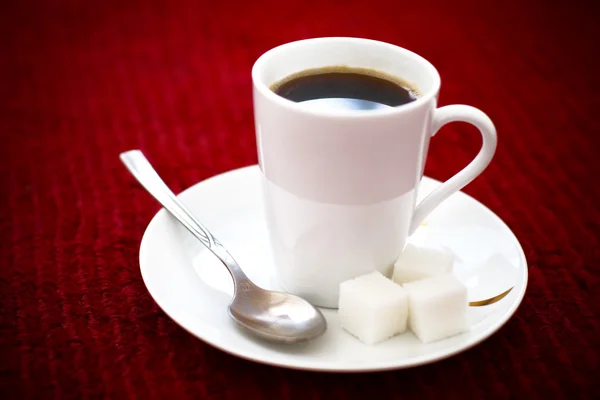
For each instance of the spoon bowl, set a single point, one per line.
(274, 316)
(277, 316)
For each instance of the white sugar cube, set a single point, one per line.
(372, 307)
(437, 307)
(416, 263)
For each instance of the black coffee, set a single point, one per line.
(347, 88)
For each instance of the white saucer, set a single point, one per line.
(194, 289)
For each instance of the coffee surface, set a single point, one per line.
(344, 87)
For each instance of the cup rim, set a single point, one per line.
(264, 89)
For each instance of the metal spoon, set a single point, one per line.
(275, 316)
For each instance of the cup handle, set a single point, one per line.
(441, 117)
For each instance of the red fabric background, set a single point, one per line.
(82, 81)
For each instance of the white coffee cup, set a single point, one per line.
(340, 185)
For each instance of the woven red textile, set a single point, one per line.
(81, 81)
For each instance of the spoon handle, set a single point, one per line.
(142, 170)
